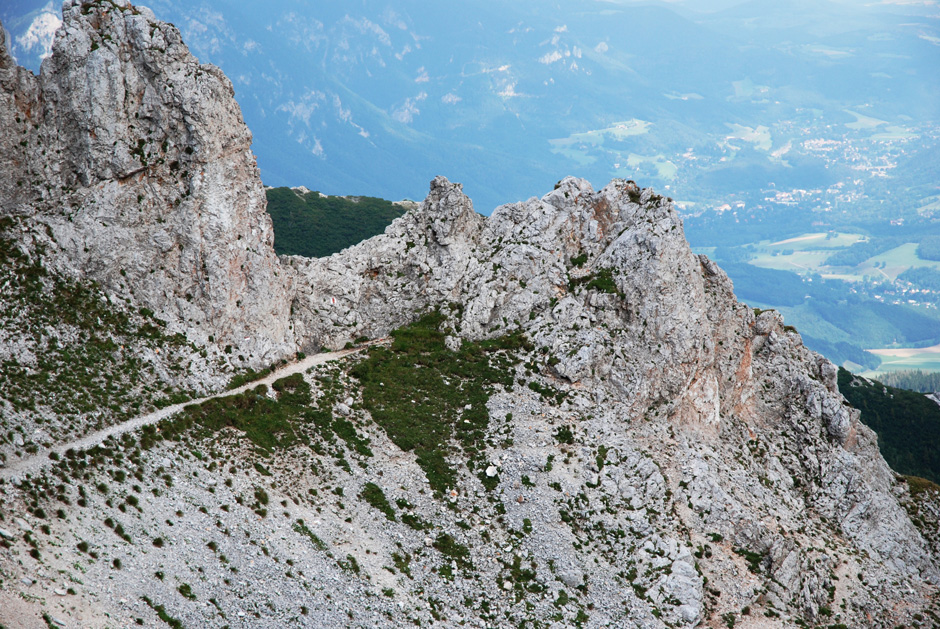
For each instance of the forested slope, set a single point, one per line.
(313, 225)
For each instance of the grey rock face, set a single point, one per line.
(604, 284)
(137, 159)
(718, 464)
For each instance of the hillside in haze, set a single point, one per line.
(369, 99)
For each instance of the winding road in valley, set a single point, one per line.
(34, 464)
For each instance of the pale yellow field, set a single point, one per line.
(898, 358)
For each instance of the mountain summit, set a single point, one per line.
(137, 159)
(574, 422)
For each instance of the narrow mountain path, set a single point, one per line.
(33, 464)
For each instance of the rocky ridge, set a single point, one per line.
(624, 444)
(136, 158)
(126, 172)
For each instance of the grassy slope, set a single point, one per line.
(71, 359)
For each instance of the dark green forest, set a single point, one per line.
(315, 226)
(913, 379)
(907, 423)
(863, 250)
(929, 248)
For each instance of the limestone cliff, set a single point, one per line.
(137, 159)
(661, 356)
(583, 428)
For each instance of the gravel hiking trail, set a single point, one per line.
(17, 470)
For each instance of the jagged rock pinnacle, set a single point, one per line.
(149, 185)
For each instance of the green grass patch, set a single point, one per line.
(264, 421)
(601, 281)
(432, 400)
(302, 528)
(564, 435)
(162, 614)
(416, 522)
(754, 560)
(402, 563)
(919, 485)
(89, 370)
(374, 495)
(451, 548)
(249, 375)
(345, 430)
(350, 564)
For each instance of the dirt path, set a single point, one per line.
(35, 463)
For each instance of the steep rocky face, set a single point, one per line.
(588, 429)
(137, 159)
(750, 435)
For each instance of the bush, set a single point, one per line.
(374, 495)
(564, 435)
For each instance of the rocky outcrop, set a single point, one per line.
(653, 453)
(136, 158)
(749, 432)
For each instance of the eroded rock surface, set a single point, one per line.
(136, 158)
(653, 453)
